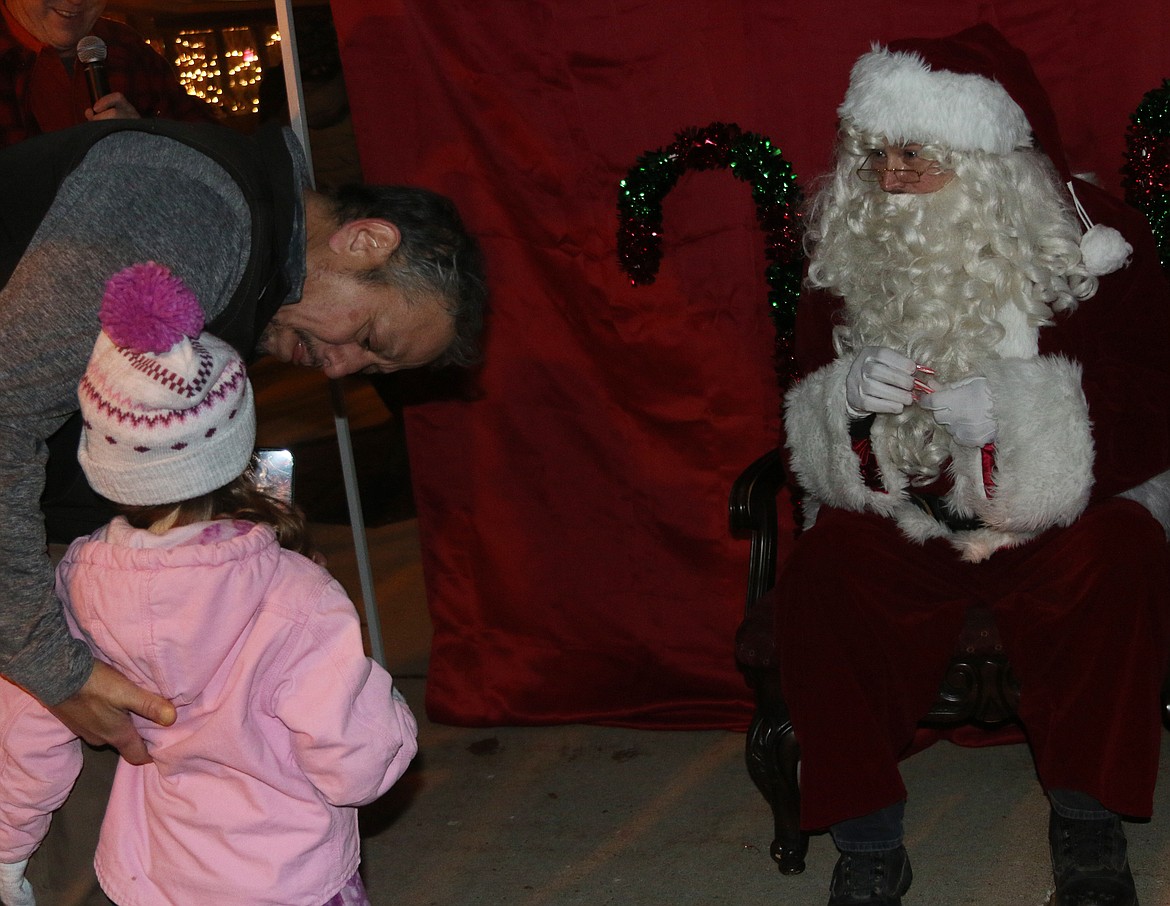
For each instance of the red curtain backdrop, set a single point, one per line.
(573, 513)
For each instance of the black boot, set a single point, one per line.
(1089, 862)
(870, 879)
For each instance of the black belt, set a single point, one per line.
(937, 507)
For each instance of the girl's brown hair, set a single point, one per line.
(238, 499)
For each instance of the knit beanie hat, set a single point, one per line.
(972, 91)
(167, 410)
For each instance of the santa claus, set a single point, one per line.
(983, 417)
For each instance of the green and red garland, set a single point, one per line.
(751, 158)
(1146, 174)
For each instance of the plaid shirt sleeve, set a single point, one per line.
(15, 66)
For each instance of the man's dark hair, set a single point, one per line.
(436, 258)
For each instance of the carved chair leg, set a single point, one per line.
(773, 760)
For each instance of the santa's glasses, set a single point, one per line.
(878, 163)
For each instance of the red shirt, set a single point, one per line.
(38, 94)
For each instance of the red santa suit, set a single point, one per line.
(1053, 528)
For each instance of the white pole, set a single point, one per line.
(292, 76)
(296, 110)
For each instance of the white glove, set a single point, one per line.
(14, 887)
(964, 409)
(879, 380)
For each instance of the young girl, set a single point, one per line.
(197, 593)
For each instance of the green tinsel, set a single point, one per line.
(1147, 169)
(751, 158)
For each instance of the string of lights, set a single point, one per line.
(224, 66)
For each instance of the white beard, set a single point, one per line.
(915, 278)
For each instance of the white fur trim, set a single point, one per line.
(1021, 340)
(899, 96)
(1044, 457)
(1044, 450)
(822, 458)
(1154, 495)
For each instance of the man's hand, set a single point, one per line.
(965, 410)
(112, 106)
(879, 380)
(97, 713)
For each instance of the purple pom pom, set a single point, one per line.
(146, 308)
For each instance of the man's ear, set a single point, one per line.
(370, 240)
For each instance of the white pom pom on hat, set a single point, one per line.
(1103, 249)
(971, 91)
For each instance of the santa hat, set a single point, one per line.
(972, 91)
(167, 410)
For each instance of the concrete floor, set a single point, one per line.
(554, 816)
(587, 815)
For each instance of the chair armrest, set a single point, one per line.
(752, 509)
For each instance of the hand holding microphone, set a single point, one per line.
(106, 105)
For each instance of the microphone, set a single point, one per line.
(91, 53)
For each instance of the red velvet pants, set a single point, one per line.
(868, 620)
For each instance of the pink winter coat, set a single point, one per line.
(284, 725)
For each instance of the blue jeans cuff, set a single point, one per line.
(1077, 806)
(878, 831)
